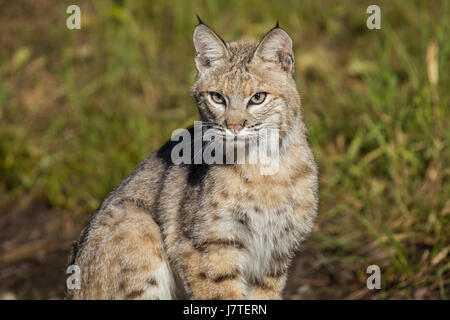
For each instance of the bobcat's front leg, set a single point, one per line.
(213, 271)
(269, 287)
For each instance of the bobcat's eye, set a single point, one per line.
(258, 98)
(217, 97)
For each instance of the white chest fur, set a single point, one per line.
(267, 239)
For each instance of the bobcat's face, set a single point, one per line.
(243, 88)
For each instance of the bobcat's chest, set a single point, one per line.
(269, 218)
(269, 237)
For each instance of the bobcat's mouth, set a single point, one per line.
(247, 135)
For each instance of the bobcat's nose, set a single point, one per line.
(235, 127)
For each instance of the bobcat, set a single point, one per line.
(211, 231)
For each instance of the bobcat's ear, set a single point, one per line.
(210, 48)
(276, 47)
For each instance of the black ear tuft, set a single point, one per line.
(277, 25)
(199, 20)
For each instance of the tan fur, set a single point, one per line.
(210, 231)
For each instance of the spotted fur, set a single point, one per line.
(216, 231)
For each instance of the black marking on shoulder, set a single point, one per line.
(196, 172)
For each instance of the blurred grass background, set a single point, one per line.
(80, 109)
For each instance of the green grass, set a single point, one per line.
(80, 109)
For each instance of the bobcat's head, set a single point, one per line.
(242, 88)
